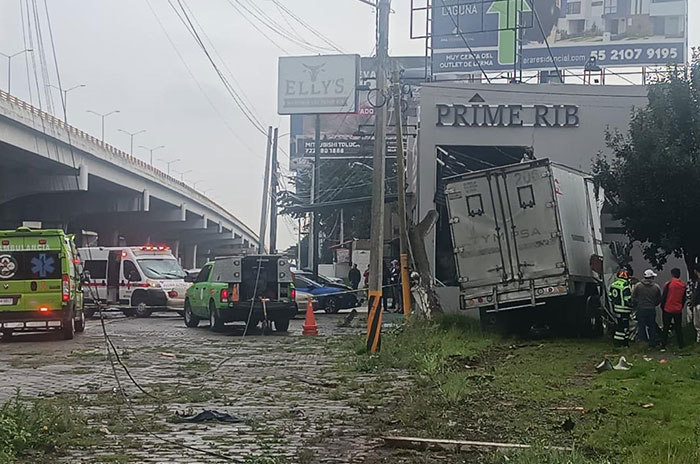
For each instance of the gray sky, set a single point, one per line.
(117, 48)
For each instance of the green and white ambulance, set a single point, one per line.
(40, 282)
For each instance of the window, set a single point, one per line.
(30, 265)
(573, 8)
(162, 269)
(204, 274)
(130, 272)
(97, 269)
(598, 3)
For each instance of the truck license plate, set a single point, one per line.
(7, 301)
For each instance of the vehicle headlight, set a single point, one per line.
(153, 284)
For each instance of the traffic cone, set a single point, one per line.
(309, 327)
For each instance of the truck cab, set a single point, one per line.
(40, 282)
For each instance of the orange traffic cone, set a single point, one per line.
(309, 327)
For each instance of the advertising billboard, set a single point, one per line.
(616, 33)
(318, 84)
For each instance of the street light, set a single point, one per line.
(131, 135)
(65, 98)
(194, 184)
(103, 116)
(9, 66)
(152, 150)
(169, 162)
(204, 192)
(182, 174)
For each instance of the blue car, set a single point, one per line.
(329, 299)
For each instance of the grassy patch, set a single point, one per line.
(467, 384)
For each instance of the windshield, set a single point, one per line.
(166, 268)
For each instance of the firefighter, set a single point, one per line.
(620, 297)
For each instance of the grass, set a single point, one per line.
(478, 386)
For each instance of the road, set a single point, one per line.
(282, 386)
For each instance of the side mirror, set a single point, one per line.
(189, 278)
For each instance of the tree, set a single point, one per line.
(652, 180)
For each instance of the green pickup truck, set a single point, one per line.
(40, 282)
(249, 289)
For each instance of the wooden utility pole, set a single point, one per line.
(266, 193)
(273, 195)
(401, 190)
(374, 318)
(316, 186)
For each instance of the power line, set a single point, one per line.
(308, 27)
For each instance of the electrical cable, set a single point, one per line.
(308, 27)
(255, 26)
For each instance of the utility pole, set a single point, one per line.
(316, 188)
(273, 196)
(374, 317)
(266, 192)
(103, 116)
(401, 190)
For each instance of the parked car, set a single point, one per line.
(330, 299)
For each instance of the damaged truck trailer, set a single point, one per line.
(528, 247)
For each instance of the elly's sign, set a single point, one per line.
(483, 115)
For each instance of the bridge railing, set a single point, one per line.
(111, 149)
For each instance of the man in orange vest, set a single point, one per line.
(672, 302)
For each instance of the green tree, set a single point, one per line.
(652, 179)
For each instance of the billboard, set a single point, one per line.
(318, 84)
(616, 33)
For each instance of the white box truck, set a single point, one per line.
(526, 236)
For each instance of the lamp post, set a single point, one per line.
(151, 150)
(9, 66)
(182, 174)
(168, 163)
(65, 98)
(131, 136)
(103, 116)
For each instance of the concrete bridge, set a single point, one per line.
(59, 176)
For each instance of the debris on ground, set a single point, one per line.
(427, 443)
(604, 365)
(209, 415)
(622, 364)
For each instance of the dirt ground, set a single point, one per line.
(282, 387)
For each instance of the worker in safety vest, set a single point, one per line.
(620, 297)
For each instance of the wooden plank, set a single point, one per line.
(423, 443)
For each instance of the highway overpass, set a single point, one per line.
(62, 177)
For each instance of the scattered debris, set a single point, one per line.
(211, 416)
(648, 405)
(349, 318)
(604, 365)
(168, 355)
(663, 361)
(569, 408)
(622, 365)
(568, 425)
(425, 443)
(647, 358)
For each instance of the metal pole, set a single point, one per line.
(374, 318)
(316, 189)
(266, 185)
(401, 190)
(9, 74)
(103, 136)
(273, 196)
(342, 226)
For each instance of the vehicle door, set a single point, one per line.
(131, 277)
(114, 262)
(199, 295)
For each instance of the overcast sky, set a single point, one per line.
(118, 49)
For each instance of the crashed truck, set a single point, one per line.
(528, 247)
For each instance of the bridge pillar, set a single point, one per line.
(108, 238)
(190, 257)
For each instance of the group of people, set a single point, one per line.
(391, 283)
(631, 298)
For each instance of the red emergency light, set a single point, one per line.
(43, 309)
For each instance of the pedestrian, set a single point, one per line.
(386, 279)
(366, 276)
(620, 294)
(672, 302)
(354, 277)
(396, 285)
(695, 303)
(646, 296)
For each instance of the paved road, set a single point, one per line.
(283, 386)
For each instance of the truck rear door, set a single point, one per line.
(478, 234)
(529, 212)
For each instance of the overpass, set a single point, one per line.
(57, 175)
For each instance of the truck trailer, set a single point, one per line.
(528, 246)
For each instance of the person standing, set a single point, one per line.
(672, 302)
(396, 285)
(695, 303)
(354, 277)
(620, 294)
(646, 296)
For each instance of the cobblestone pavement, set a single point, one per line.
(288, 390)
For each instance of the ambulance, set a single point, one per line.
(138, 280)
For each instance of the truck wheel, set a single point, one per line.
(215, 322)
(79, 324)
(593, 317)
(331, 306)
(282, 325)
(67, 324)
(190, 319)
(128, 312)
(138, 301)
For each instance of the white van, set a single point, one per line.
(137, 279)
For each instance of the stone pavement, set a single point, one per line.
(286, 388)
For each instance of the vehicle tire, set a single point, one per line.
(215, 322)
(593, 317)
(79, 324)
(7, 333)
(190, 319)
(331, 306)
(282, 325)
(129, 312)
(67, 325)
(140, 308)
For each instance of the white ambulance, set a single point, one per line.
(139, 280)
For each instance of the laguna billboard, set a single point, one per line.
(617, 33)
